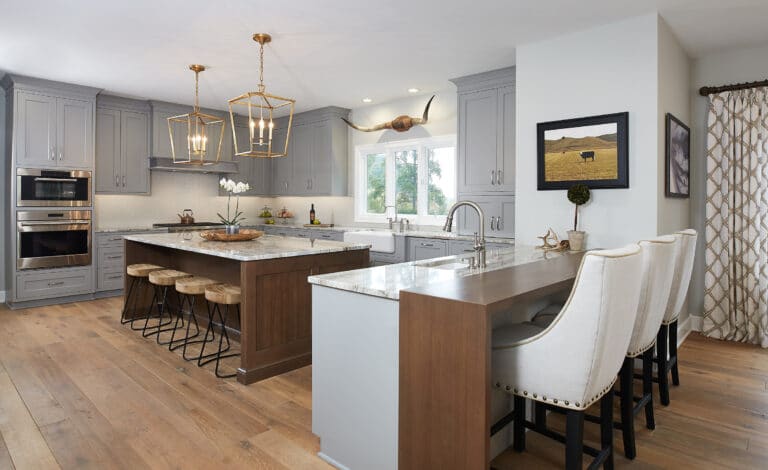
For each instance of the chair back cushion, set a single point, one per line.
(576, 358)
(659, 256)
(683, 270)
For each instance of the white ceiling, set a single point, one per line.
(324, 51)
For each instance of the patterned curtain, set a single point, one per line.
(736, 235)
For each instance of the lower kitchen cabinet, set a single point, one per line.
(426, 248)
(499, 216)
(461, 247)
(110, 261)
(50, 283)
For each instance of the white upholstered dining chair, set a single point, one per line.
(666, 343)
(574, 362)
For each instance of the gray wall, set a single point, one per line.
(3, 194)
(734, 66)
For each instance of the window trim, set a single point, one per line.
(388, 149)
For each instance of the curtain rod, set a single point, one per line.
(708, 90)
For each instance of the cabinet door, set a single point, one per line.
(283, 168)
(506, 144)
(36, 130)
(108, 151)
(135, 152)
(74, 133)
(426, 248)
(505, 222)
(495, 208)
(321, 179)
(161, 139)
(478, 123)
(460, 247)
(300, 154)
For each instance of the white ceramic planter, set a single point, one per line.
(577, 240)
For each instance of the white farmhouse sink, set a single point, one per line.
(380, 241)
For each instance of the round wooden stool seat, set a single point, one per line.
(141, 270)
(225, 294)
(166, 277)
(194, 285)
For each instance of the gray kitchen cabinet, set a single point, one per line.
(426, 248)
(486, 132)
(122, 146)
(499, 215)
(51, 283)
(300, 157)
(161, 140)
(54, 131)
(109, 255)
(463, 247)
(321, 234)
(254, 171)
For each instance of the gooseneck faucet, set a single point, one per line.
(479, 236)
(392, 221)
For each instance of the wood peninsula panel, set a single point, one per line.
(445, 360)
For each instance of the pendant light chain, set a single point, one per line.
(261, 67)
(197, 102)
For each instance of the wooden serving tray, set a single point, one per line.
(222, 236)
(318, 225)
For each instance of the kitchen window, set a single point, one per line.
(417, 176)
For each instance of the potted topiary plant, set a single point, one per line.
(578, 194)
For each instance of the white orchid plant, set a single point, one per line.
(233, 188)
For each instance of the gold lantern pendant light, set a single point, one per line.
(204, 132)
(260, 107)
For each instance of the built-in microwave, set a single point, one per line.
(52, 239)
(52, 188)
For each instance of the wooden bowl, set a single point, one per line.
(221, 235)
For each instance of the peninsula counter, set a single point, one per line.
(276, 317)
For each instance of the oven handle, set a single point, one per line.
(63, 226)
(56, 180)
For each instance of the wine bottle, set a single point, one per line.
(312, 214)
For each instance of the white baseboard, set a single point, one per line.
(696, 322)
(683, 330)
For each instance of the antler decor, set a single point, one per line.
(400, 124)
(550, 242)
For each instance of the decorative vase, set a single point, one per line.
(232, 229)
(576, 240)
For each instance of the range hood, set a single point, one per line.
(166, 164)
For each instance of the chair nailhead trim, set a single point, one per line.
(498, 385)
(508, 387)
(567, 403)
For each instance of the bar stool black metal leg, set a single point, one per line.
(225, 335)
(650, 423)
(161, 309)
(662, 364)
(203, 358)
(179, 317)
(128, 298)
(175, 343)
(627, 408)
(673, 352)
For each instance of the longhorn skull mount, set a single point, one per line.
(399, 124)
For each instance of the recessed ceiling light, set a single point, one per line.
(413, 90)
(367, 100)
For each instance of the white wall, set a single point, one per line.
(674, 97)
(733, 66)
(608, 69)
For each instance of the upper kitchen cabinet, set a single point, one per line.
(257, 172)
(52, 124)
(316, 164)
(486, 132)
(161, 139)
(122, 146)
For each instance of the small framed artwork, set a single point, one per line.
(591, 150)
(678, 158)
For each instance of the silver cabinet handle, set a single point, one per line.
(499, 225)
(55, 283)
(123, 180)
(428, 244)
(307, 183)
(115, 257)
(310, 183)
(117, 180)
(493, 176)
(493, 223)
(115, 276)
(500, 177)
(61, 155)
(115, 239)
(53, 154)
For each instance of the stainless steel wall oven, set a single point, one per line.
(52, 188)
(51, 239)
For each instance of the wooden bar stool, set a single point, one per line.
(138, 274)
(161, 280)
(189, 288)
(217, 295)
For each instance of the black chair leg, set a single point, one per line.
(540, 415)
(673, 352)
(606, 428)
(574, 440)
(128, 299)
(519, 424)
(662, 364)
(650, 423)
(627, 408)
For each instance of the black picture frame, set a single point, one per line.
(678, 142)
(622, 152)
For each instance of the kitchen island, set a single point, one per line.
(276, 316)
(401, 355)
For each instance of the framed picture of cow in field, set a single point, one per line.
(591, 150)
(678, 158)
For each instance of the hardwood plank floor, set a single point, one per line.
(79, 390)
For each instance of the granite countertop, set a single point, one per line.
(264, 247)
(387, 281)
(129, 229)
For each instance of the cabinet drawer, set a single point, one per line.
(49, 284)
(323, 235)
(110, 279)
(426, 248)
(110, 256)
(109, 239)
